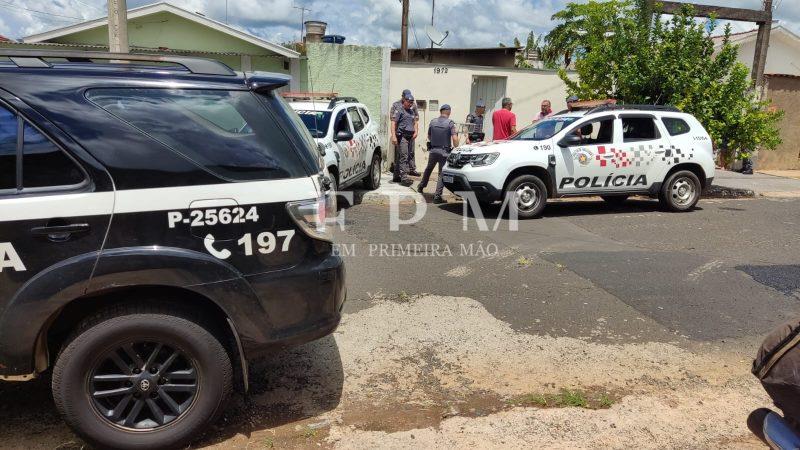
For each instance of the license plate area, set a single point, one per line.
(447, 178)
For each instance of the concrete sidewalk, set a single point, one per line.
(387, 190)
(734, 184)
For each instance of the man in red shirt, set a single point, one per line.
(504, 121)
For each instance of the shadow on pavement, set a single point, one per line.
(288, 387)
(285, 388)
(29, 419)
(569, 208)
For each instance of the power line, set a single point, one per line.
(91, 6)
(13, 6)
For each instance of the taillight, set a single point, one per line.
(315, 217)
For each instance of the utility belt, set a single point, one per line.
(405, 133)
(446, 149)
(476, 136)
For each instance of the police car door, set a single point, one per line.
(584, 168)
(358, 145)
(647, 150)
(341, 122)
(54, 212)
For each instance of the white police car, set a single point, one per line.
(347, 135)
(611, 151)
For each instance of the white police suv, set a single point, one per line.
(612, 151)
(347, 136)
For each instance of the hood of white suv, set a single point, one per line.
(488, 147)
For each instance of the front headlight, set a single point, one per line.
(483, 159)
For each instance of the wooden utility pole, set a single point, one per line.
(761, 17)
(404, 33)
(762, 47)
(118, 26)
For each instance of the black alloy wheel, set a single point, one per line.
(143, 385)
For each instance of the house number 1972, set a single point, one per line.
(439, 70)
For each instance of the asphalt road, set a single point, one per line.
(730, 270)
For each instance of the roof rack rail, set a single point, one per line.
(336, 100)
(35, 59)
(291, 95)
(602, 108)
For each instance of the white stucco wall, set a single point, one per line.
(527, 89)
(783, 56)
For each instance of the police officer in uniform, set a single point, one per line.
(396, 106)
(443, 138)
(404, 130)
(476, 133)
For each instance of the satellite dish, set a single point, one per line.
(435, 36)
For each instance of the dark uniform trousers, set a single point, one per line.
(405, 147)
(440, 132)
(436, 157)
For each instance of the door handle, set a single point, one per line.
(60, 233)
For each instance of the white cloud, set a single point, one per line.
(472, 23)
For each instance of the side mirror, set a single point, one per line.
(570, 140)
(343, 136)
(321, 148)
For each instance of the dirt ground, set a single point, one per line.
(441, 372)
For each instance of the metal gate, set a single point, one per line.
(491, 90)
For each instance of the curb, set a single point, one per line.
(383, 198)
(717, 191)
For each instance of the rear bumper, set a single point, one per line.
(485, 192)
(297, 305)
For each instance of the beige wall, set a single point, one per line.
(527, 88)
(785, 94)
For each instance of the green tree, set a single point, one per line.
(645, 61)
(582, 27)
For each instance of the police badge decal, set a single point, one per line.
(583, 156)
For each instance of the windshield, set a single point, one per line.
(316, 122)
(544, 129)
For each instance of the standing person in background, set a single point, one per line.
(546, 111)
(504, 121)
(397, 106)
(443, 138)
(476, 120)
(571, 102)
(404, 130)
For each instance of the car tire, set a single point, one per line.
(373, 179)
(680, 191)
(101, 396)
(334, 179)
(615, 200)
(528, 196)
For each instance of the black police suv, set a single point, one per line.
(162, 221)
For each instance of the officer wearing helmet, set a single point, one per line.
(442, 139)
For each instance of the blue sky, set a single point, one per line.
(472, 23)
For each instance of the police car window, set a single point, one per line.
(675, 126)
(316, 122)
(358, 124)
(342, 124)
(544, 129)
(228, 132)
(635, 129)
(44, 164)
(8, 149)
(364, 114)
(598, 132)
